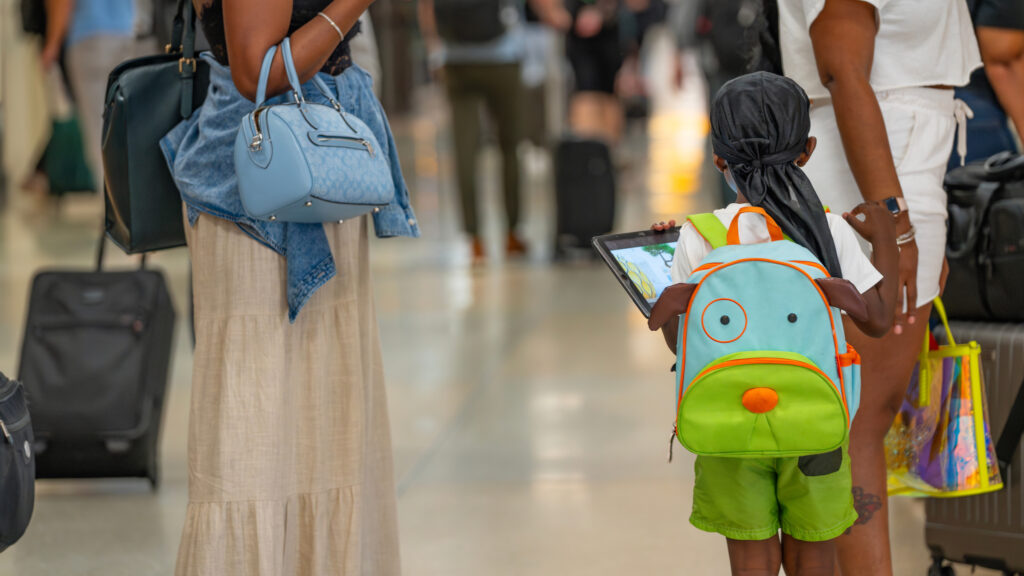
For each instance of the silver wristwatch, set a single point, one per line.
(895, 205)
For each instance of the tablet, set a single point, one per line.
(642, 262)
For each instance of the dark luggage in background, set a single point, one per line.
(473, 21)
(17, 463)
(33, 17)
(585, 192)
(985, 246)
(988, 530)
(146, 97)
(64, 159)
(95, 363)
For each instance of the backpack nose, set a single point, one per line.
(760, 400)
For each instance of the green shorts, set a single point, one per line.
(809, 498)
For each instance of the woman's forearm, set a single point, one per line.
(843, 38)
(250, 33)
(864, 137)
(58, 19)
(1002, 49)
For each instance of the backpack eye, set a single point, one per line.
(724, 320)
(792, 318)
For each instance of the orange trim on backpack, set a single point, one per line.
(689, 308)
(850, 358)
(780, 362)
(742, 309)
(774, 231)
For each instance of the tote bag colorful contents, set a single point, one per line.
(940, 444)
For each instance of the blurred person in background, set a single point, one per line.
(594, 47)
(997, 90)
(97, 36)
(727, 35)
(880, 74)
(365, 52)
(479, 48)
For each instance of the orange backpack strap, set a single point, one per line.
(711, 228)
(774, 231)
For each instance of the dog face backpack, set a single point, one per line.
(308, 162)
(763, 365)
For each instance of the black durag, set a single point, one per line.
(759, 126)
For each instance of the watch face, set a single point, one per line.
(893, 205)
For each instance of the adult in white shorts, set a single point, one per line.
(880, 75)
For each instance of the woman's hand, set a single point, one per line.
(907, 283)
(589, 22)
(662, 226)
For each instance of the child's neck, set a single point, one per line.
(741, 199)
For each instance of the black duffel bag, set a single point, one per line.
(985, 245)
(146, 98)
(17, 463)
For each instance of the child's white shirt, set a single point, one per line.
(693, 248)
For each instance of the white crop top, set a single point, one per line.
(919, 43)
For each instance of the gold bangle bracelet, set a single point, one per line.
(333, 25)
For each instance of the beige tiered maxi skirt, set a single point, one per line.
(290, 470)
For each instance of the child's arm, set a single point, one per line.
(879, 229)
(671, 329)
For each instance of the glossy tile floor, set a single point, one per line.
(530, 406)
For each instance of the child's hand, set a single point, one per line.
(877, 226)
(662, 226)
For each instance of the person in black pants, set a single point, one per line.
(595, 52)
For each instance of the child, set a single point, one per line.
(760, 124)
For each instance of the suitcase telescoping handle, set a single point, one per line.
(1009, 439)
(101, 249)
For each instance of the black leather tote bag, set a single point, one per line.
(146, 98)
(17, 463)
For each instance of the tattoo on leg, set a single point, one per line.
(866, 504)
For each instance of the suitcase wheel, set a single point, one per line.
(940, 568)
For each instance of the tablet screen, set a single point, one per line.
(648, 267)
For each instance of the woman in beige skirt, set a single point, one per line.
(290, 470)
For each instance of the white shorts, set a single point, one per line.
(921, 127)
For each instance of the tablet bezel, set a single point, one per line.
(643, 238)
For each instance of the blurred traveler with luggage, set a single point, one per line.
(97, 35)
(480, 46)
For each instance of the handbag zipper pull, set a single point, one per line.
(671, 443)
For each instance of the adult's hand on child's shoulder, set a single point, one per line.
(872, 221)
(662, 226)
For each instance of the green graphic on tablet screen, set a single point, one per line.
(648, 267)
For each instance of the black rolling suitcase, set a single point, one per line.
(585, 191)
(988, 530)
(95, 363)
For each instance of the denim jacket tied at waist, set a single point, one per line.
(199, 153)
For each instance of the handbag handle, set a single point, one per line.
(937, 304)
(293, 77)
(774, 232)
(183, 40)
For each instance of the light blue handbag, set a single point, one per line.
(308, 162)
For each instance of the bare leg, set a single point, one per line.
(591, 113)
(755, 557)
(887, 365)
(808, 558)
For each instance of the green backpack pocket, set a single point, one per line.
(755, 404)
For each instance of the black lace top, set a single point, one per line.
(211, 15)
